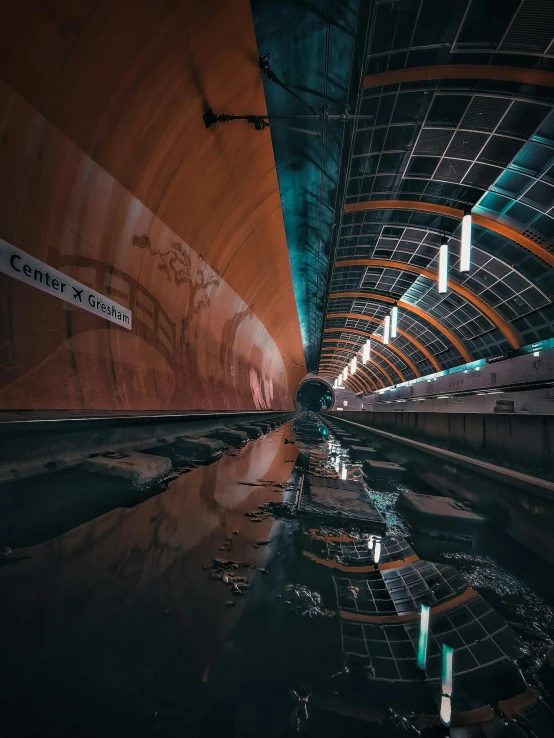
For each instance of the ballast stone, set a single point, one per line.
(136, 467)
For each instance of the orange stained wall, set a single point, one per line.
(108, 174)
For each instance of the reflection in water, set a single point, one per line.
(126, 625)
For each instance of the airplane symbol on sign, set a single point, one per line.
(77, 294)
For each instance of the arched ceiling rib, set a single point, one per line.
(394, 349)
(345, 355)
(446, 137)
(461, 71)
(431, 207)
(503, 325)
(358, 347)
(413, 309)
(407, 336)
(453, 111)
(367, 380)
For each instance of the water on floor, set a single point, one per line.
(193, 611)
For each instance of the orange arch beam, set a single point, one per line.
(370, 379)
(503, 326)
(355, 381)
(330, 362)
(359, 316)
(417, 311)
(362, 367)
(480, 220)
(461, 71)
(394, 349)
(373, 351)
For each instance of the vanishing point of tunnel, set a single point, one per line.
(277, 368)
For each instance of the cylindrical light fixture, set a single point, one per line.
(394, 321)
(465, 250)
(443, 267)
(353, 365)
(386, 329)
(423, 636)
(366, 351)
(345, 373)
(377, 551)
(446, 687)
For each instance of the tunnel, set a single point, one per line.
(277, 368)
(314, 395)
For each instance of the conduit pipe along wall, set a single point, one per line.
(109, 175)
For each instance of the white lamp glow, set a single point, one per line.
(345, 373)
(377, 552)
(423, 637)
(353, 365)
(443, 268)
(344, 473)
(366, 351)
(394, 322)
(386, 329)
(465, 251)
(446, 689)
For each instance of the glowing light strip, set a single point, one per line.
(345, 373)
(443, 268)
(353, 365)
(423, 637)
(366, 351)
(386, 329)
(465, 249)
(447, 671)
(394, 322)
(377, 552)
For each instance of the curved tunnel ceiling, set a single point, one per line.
(461, 119)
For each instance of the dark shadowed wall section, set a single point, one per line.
(109, 175)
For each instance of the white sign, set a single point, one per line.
(26, 268)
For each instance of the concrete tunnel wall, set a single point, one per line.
(109, 175)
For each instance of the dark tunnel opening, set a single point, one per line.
(314, 395)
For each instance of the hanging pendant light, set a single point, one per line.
(394, 321)
(443, 267)
(465, 250)
(366, 352)
(386, 329)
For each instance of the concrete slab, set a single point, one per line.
(338, 499)
(437, 516)
(374, 468)
(199, 448)
(252, 431)
(350, 441)
(229, 436)
(136, 467)
(263, 425)
(363, 452)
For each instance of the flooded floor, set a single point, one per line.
(191, 610)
